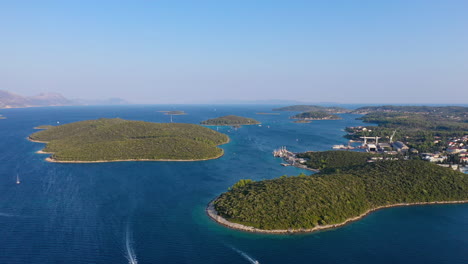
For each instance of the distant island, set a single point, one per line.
(174, 113)
(105, 140)
(346, 190)
(315, 115)
(230, 120)
(302, 121)
(268, 113)
(314, 108)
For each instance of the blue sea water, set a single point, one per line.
(153, 212)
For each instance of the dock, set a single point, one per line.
(291, 159)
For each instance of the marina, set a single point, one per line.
(291, 159)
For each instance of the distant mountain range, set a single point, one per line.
(12, 100)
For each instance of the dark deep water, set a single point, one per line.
(154, 211)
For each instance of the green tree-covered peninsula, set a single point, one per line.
(230, 120)
(349, 190)
(315, 115)
(309, 108)
(116, 139)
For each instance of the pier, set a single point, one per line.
(291, 159)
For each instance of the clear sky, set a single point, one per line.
(156, 51)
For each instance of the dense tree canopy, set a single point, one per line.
(330, 198)
(336, 159)
(230, 120)
(308, 108)
(417, 126)
(118, 139)
(315, 115)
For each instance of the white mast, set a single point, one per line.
(391, 138)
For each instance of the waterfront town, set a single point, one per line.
(454, 155)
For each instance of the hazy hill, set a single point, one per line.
(11, 100)
(49, 99)
(8, 100)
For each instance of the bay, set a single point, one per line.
(153, 212)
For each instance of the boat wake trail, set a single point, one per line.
(6, 215)
(247, 257)
(129, 246)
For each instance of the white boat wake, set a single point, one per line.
(247, 257)
(129, 246)
(6, 215)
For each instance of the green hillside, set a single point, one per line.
(230, 120)
(309, 108)
(335, 159)
(315, 115)
(118, 139)
(416, 126)
(303, 202)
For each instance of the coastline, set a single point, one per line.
(213, 214)
(316, 119)
(250, 124)
(37, 141)
(49, 159)
(43, 152)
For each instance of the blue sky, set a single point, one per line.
(207, 51)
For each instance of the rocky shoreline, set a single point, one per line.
(213, 214)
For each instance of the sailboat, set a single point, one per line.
(17, 179)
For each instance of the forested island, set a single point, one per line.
(230, 120)
(315, 115)
(349, 188)
(174, 113)
(104, 140)
(310, 108)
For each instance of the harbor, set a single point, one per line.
(290, 159)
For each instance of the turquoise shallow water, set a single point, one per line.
(153, 212)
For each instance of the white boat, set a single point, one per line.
(17, 179)
(338, 146)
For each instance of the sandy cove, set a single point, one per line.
(213, 214)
